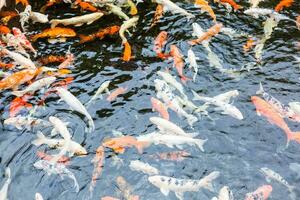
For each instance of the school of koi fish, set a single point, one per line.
(32, 82)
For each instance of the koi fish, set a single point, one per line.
(77, 21)
(38, 17)
(137, 165)
(178, 62)
(263, 193)
(127, 52)
(133, 9)
(62, 160)
(192, 59)
(56, 168)
(171, 156)
(103, 87)
(98, 162)
(173, 8)
(267, 110)
(126, 189)
(117, 11)
(100, 34)
(159, 42)
(232, 3)
(85, 6)
(17, 105)
(23, 2)
(19, 122)
(171, 140)
(120, 143)
(113, 95)
(159, 12)
(51, 59)
(6, 16)
(4, 29)
(76, 105)
(23, 40)
(132, 22)
(213, 31)
(180, 186)
(249, 44)
(67, 62)
(4, 189)
(20, 59)
(53, 33)
(283, 4)
(203, 4)
(19, 78)
(224, 194)
(6, 65)
(160, 107)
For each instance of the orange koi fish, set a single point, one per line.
(19, 78)
(251, 42)
(232, 3)
(127, 52)
(18, 104)
(4, 29)
(126, 189)
(109, 198)
(51, 59)
(213, 31)
(178, 62)
(56, 32)
(100, 34)
(116, 93)
(98, 166)
(23, 2)
(171, 156)
(265, 109)
(6, 66)
(49, 4)
(159, 12)
(160, 107)
(6, 16)
(159, 42)
(262, 193)
(85, 6)
(62, 160)
(203, 4)
(120, 143)
(283, 4)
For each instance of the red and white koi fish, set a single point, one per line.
(178, 62)
(113, 95)
(262, 193)
(159, 43)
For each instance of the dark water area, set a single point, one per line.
(235, 148)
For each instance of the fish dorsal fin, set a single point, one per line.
(165, 191)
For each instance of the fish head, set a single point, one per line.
(266, 190)
(233, 111)
(81, 151)
(156, 180)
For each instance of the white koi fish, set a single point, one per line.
(73, 147)
(295, 167)
(20, 59)
(224, 194)
(222, 102)
(39, 17)
(171, 140)
(4, 189)
(179, 186)
(35, 86)
(77, 21)
(271, 175)
(132, 22)
(19, 122)
(103, 87)
(173, 8)
(38, 196)
(24, 16)
(137, 165)
(172, 81)
(56, 168)
(167, 127)
(256, 12)
(76, 105)
(192, 59)
(117, 11)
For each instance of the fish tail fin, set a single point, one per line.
(200, 144)
(127, 52)
(261, 90)
(18, 93)
(40, 139)
(54, 22)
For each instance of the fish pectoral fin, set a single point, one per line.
(164, 191)
(179, 195)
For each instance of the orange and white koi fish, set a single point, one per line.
(62, 160)
(85, 6)
(159, 42)
(159, 12)
(67, 62)
(120, 143)
(251, 42)
(160, 107)
(19, 78)
(116, 93)
(262, 193)
(265, 109)
(109, 198)
(171, 156)
(203, 4)
(111, 30)
(126, 189)
(18, 104)
(54, 33)
(213, 31)
(127, 52)
(98, 166)
(23, 2)
(283, 4)
(22, 39)
(4, 29)
(178, 62)
(232, 3)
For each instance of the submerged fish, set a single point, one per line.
(178, 62)
(27, 122)
(171, 156)
(113, 95)
(192, 59)
(54, 33)
(137, 165)
(4, 189)
(262, 193)
(158, 14)
(172, 81)
(283, 4)
(103, 87)
(213, 31)
(203, 4)
(173, 8)
(132, 22)
(180, 186)
(62, 160)
(98, 162)
(160, 107)
(56, 168)
(159, 43)
(126, 189)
